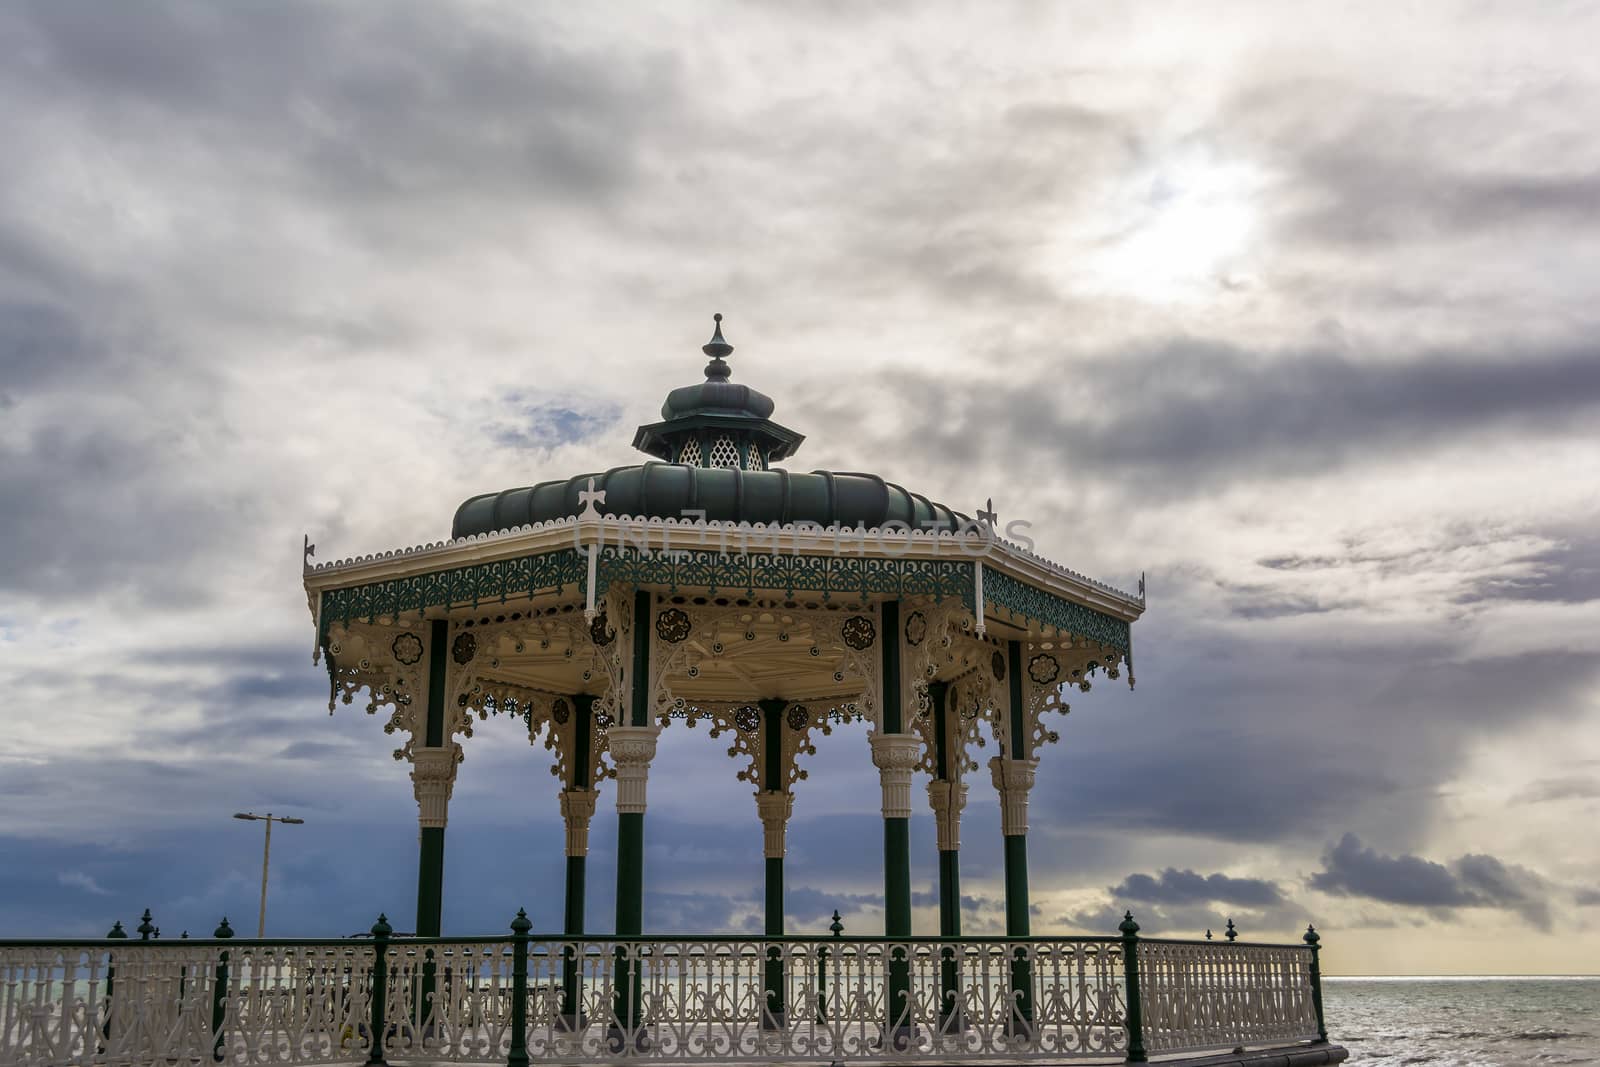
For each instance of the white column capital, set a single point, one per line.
(1013, 778)
(774, 809)
(632, 748)
(896, 756)
(577, 808)
(948, 799)
(433, 779)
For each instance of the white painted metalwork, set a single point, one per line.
(686, 1000)
(1207, 995)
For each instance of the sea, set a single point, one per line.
(1493, 1020)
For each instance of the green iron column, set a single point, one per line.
(774, 804)
(632, 748)
(896, 754)
(947, 794)
(577, 809)
(433, 775)
(1013, 773)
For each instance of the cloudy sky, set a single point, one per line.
(1292, 310)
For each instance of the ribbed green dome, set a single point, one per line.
(668, 490)
(717, 398)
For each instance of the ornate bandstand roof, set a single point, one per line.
(709, 524)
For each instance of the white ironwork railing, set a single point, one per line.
(1209, 994)
(688, 1000)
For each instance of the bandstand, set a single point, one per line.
(707, 586)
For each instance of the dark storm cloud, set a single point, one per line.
(1188, 414)
(1173, 886)
(1472, 881)
(38, 341)
(376, 106)
(1567, 573)
(1380, 168)
(88, 509)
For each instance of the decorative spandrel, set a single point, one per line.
(706, 653)
(743, 726)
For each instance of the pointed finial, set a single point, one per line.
(1128, 926)
(117, 931)
(521, 924)
(718, 350)
(145, 927)
(836, 926)
(1311, 936)
(381, 928)
(223, 930)
(1230, 933)
(1208, 935)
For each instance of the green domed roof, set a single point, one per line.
(669, 490)
(719, 438)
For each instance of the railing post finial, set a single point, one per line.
(117, 932)
(1230, 933)
(1130, 974)
(1314, 939)
(146, 927)
(836, 926)
(518, 1054)
(380, 990)
(219, 994)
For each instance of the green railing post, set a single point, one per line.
(219, 991)
(518, 1056)
(380, 989)
(1130, 973)
(116, 933)
(1314, 939)
(822, 968)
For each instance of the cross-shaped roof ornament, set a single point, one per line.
(589, 498)
(986, 514)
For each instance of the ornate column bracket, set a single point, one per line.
(1013, 778)
(948, 799)
(632, 748)
(775, 809)
(577, 808)
(433, 779)
(896, 756)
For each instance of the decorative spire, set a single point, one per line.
(718, 350)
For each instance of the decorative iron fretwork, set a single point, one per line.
(472, 585)
(464, 648)
(916, 628)
(1004, 591)
(712, 569)
(747, 719)
(407, 648)
(1043, 668)
(560, 711)
(797, 717)
(858, 632)
(672, 625)
(827, 575)
(600, 631)
(997, 665)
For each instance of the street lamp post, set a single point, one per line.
(266, 856)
